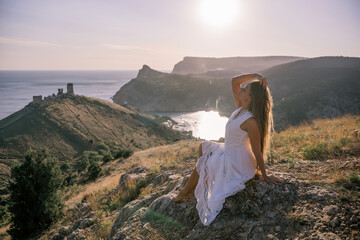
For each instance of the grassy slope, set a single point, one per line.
(337, 168)
(73, 125)
(314, 88)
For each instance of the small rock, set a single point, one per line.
(354, 219)
(335, 222)
(271, 237)
(64, 231)
(75, 236)
(57, 237)
(331, 210)
(354, 226)
(278, 228)
(271, 214)
(85, 223)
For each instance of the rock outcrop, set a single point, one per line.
(293, 209)
(146, 71)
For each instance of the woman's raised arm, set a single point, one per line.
(237, 80)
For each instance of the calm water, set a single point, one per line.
(206, 125)
(18, 87)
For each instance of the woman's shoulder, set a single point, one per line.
(246, 113)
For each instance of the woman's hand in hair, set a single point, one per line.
(273, 179)
(262, 79)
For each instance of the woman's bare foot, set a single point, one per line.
(183, 197)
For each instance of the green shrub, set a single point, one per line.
(35, 201)
(354, 178)
(90, 153)
(117, 204)
(107, 158)
(318, 151)
(134, 191)
(4, 212)
(98, 158)
(70, 177)
(94, 171)
(125, 153)
(344, 141)
(83, 163)
(64, 167)
(93, 156)
(102, 146)
(337, 151)
(102, 152)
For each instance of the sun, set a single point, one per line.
(218, 13)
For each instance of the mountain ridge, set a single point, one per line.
(314, 81)
(200, 65)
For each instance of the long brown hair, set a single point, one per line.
(261, 107)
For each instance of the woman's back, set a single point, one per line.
(238, 153)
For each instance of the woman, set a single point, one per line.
(223, 168)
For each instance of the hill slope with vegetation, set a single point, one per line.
(73, 126)
(321, 87)
(302, 90)
(319, 198)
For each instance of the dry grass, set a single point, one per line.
(102, 184)
(321, 139)
(3, 234)
(173, 155)
(324, 153)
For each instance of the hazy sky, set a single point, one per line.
(125, 34)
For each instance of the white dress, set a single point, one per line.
(224, 167)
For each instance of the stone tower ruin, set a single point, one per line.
(37, 99)
(70, 88)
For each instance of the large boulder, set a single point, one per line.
(293, 209)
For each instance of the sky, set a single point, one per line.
(126, 34)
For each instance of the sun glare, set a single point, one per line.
(218, 13)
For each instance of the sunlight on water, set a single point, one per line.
(205, 125)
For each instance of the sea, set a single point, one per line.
(17, 89)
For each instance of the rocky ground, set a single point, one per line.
(294, 209)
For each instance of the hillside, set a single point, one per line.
(318, 200)
(302, 90)
(233, 65)
(314, 88)
(152, 92)
(70, 126)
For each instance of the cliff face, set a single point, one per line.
(147, 72)
(170, 92)
(200, 65)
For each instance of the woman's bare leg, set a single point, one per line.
(187, 192)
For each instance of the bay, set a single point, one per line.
(208, 125)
